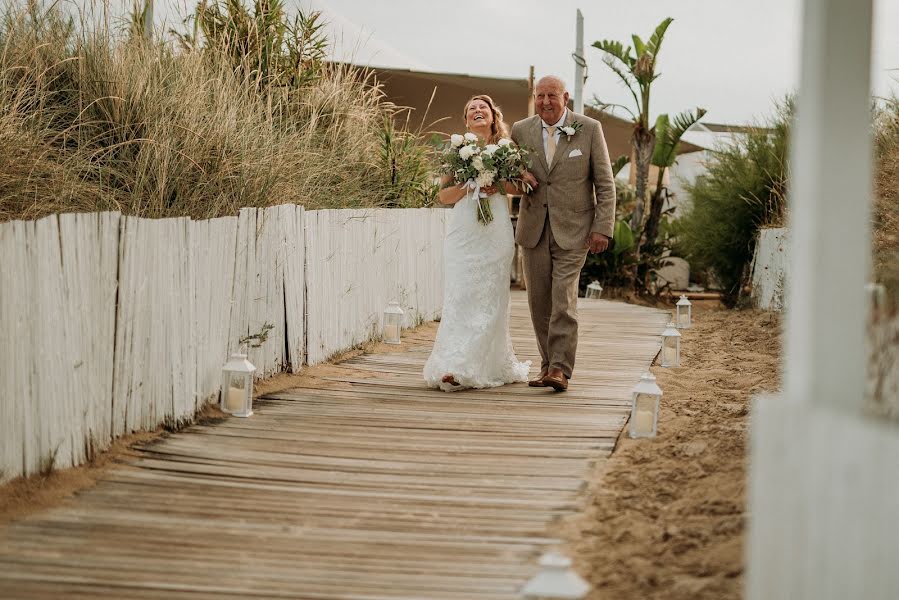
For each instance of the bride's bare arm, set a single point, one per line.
(450, 193)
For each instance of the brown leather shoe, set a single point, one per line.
(556, 379)
(539, 381)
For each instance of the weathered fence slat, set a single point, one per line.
(112, 324)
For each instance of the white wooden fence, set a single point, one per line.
(112, 324)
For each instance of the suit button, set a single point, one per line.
(549, 183)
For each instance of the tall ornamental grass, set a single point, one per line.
(199, 124)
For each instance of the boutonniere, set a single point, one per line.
(570, 130)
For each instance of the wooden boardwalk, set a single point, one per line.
(362, 486)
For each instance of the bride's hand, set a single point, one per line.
(489, 190)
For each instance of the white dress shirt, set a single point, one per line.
(558, 133)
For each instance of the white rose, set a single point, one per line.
(456, 140)
(467, 152)
(504, 142)
(471, 137)
(490, 149)
(478, 163)
(567, 130)
(485, 178)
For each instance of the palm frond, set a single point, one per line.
(626, 77)
(669, 133)
(604, 107)
(639, 45)
(616, 50)
(619, 164)
(655, 40)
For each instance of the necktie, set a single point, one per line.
(550, 144)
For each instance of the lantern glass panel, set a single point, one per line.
(644, 417)
(683, 316)
(236, 392)
(670, 351)
(392, 328)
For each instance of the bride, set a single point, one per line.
(473, 348)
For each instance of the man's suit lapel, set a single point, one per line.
(562, 146)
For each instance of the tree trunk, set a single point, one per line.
(656, 204)
(651, 231)
(644, 141)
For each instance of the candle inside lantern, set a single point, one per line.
(670, 356)
(643, 423)
(391, 332)
(235, 398)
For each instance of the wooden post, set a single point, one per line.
(531, 92)
(519, 258)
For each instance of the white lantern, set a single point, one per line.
(556, 580)
(877, 296)
(237, 386)
(594, 291)
(684, 313)
(393, 322)
(671, 346)
(645, 407)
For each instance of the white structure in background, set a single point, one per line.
(823, 485)
(579, 64)
(770, 268)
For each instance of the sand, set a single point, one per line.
(665, 518)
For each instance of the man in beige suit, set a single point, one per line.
(570, 211)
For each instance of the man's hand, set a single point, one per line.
(528, 178)
(597, 243)
(489, 190)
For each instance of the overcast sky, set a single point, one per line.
(733, 57)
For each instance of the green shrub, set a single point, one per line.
(742, 190)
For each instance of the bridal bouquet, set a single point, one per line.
(481, 166)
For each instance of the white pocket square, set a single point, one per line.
(575, 152)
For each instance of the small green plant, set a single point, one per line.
(256, 340)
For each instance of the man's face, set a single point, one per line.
(550, 100)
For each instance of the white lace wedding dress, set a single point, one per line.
(473, 342)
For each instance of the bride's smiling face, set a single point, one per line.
(478, 116)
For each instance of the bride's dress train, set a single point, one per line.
(473, 343)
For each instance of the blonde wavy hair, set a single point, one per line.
(498, 129)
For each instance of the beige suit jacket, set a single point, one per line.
(576, 192)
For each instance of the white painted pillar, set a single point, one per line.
(830, 207)
(579, 65)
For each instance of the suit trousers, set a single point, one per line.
(551, 275)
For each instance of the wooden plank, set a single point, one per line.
(363, 484)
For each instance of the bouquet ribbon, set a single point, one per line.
(485, 215)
